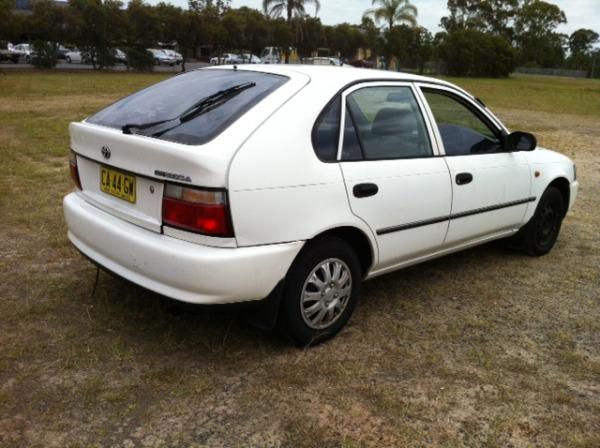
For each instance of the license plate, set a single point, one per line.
(118, 184)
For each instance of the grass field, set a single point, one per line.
(486, 348)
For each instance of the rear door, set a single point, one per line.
(491, 187)
(394, 178)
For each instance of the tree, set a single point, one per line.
(345, 39)
(292, 9)
(535, 34)
(412, 46)
(493, 16)
(393, 12)
(582, 41)
(475, 53)
(247, 29)
(312, 36)
(370, 33)
(581, 44)
(97, 27)
(46, 26)
(10, 24)
(143, 27)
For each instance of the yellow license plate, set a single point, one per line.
(118, 184)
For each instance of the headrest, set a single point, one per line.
(392, 120)
(399, 96)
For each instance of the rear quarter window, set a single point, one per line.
(326, 132)
(169, 99)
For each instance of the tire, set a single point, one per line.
(539, 235)
(305, 289)
(68, 59)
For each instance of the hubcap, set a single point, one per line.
(546, 224)
(326, 293)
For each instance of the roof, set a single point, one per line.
(338, 77)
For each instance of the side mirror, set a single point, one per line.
(521, 141)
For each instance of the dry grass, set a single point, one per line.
(483, 348)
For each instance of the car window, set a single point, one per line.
(388, 123)
(326, 132)
(463, 132)
(168, 99)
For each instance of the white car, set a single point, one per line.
(226, 59)
(295, 184)
(323, 61)
(175, 56)
(25, 51)
(248, 58)
(73, 56)
(161, 57)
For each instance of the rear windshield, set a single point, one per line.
(169, 99)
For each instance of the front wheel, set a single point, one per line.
(321, 291)
(539, 235)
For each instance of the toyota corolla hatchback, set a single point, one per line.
(295, 184)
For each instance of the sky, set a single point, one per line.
(580, 13)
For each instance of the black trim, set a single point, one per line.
(427, 222)
(412, 225)
(492, 208)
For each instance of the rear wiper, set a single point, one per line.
(204, 105)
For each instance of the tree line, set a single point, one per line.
(478, 37)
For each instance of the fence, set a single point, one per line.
(553, 72)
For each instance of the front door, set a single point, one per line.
(394, 178)
(491, 187)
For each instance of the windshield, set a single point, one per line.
(169, 99)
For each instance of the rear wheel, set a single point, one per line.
(540, 234)
(321, 291)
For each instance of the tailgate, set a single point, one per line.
(150, 162)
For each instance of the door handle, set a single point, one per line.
(463, 178)
(365, 190)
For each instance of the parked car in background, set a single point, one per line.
(175, 55)
(248, 58)
(183, 187)
(160, 57)
(24, 51)
(226, 58)
(271, 55)
(323, 61)
(363, 63)
(276, 55)
(120, 56)
(74, 56)
(61, 52)
(7, 53)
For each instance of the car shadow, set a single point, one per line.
(219, 328)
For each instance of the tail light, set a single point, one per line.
(74, 170)
(196, 210)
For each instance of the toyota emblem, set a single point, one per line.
(106, 152)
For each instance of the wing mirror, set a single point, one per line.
(521, 141)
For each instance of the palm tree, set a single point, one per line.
(275, 8)
(393, 12)
(292, 8)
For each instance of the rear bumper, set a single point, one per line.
(178, 269)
